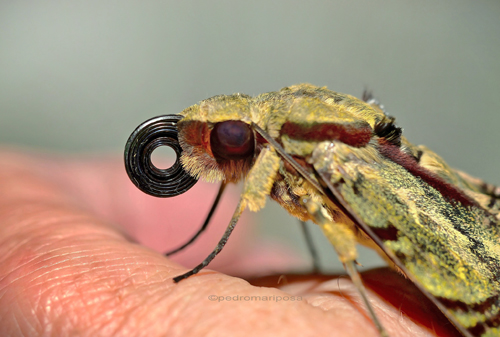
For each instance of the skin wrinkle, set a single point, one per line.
(97, 299)
(133, 315)
(54, 278)
(25, 326)
(161, 296)
(52, 271)
(44, 265)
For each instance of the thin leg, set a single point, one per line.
(353, 273)
(344, 241)
(205, 224)
(310, 246)
(220, 245)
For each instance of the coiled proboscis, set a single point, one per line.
(153, 133)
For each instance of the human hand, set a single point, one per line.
(69, 268)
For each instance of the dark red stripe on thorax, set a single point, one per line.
(448, 191)
(357, 135)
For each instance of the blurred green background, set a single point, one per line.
(79, 76)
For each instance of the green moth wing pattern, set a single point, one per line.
(450, 251)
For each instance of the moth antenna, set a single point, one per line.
(205, 224)
(153, 133)
(367, 95)
(369, 98)
(218, 248)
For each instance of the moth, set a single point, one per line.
(344, 164)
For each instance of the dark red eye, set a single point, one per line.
(232, 140)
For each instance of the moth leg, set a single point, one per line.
(310, 246)
(257, 186)
(353, 273)
(205, 224)
(343, 240)
(220, 245)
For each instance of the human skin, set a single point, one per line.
(70, 266)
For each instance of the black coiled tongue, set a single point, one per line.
(153, 133)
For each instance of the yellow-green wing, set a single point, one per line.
(451, 251)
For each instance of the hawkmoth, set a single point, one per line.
(343, 163)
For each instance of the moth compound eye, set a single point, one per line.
(232, 140)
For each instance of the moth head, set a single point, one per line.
(217, 140)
